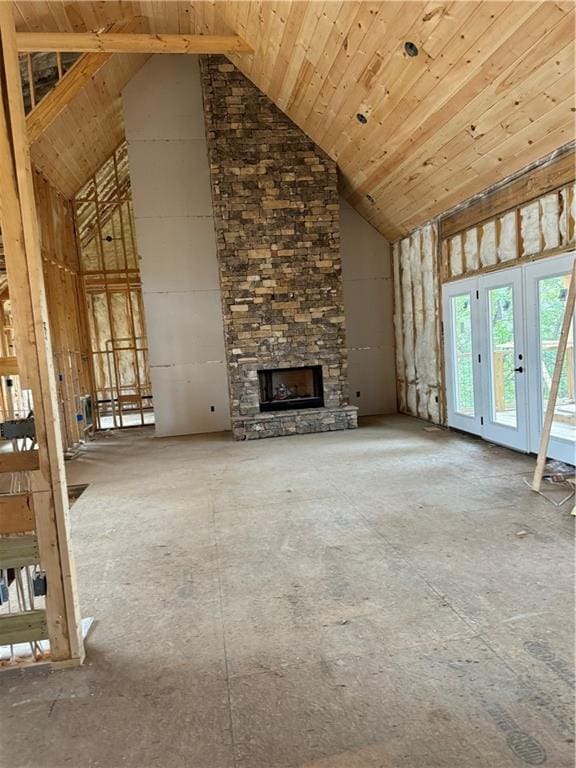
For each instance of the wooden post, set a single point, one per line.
(554, 386)
(33, 348)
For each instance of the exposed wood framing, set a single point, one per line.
(21, 238)
(550, 175)
(63, 286)
(129, 42)
(542, 227)
(74, 146)
(78, 76)
(52, 105)
(113, 295)
(491, 90)
(68, 332)
(30, 77)
(41, 72)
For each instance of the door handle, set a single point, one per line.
(519, 370)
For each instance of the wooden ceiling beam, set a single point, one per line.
(128, 42)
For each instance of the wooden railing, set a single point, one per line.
(499, 355)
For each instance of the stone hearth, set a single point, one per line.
(276, 212)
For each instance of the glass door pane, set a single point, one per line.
(463, 362)
(460, 308)
(552, 293)
(502, 355)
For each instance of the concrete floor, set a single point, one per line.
(358, 599)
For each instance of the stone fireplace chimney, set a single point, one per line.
(276, 214)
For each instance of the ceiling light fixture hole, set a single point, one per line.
(362, 119)
(411, 49)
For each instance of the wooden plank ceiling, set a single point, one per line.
(491, 90)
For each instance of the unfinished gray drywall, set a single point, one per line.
(368, 307)
(164, 119)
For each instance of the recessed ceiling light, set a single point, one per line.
(362, 119)
(411, 49)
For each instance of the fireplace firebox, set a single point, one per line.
(282, 389)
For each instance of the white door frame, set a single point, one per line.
(513, 436)
(561, 449)
(524, 278)
(465, 422)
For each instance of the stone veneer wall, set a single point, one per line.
(276, 213)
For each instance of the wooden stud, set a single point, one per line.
(519, 238)
(30, 70)
(129, 297)
(117, 281)
(59, 249)
(511, 263)
(520, 257)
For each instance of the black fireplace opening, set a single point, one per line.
(284, 388)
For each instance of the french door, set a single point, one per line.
(546, 291)
(501, 333)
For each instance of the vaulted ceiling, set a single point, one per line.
(491, 90)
